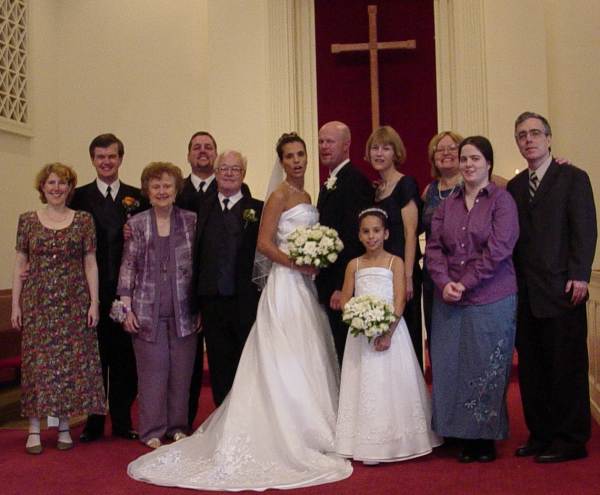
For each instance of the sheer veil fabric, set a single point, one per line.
(262, 264)
(276, 428)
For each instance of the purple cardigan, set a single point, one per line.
(138, 277)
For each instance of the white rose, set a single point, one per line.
(332, 257)
(357, 323)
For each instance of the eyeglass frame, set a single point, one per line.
(533, 133)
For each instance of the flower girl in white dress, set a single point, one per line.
(384, 410)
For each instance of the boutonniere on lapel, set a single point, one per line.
(130, 204)
(330, 182)
(249, 216)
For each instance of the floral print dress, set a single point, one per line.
(61, 373)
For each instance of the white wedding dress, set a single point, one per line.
(384, 411)
(276, 427)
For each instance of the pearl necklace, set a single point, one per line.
(450, 193)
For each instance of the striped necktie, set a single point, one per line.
(533, 185)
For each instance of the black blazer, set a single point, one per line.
(246, 290)
(557, 238)
(109, 220)
(339, 208)
(191, 199)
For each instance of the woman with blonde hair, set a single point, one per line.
(56, 307)
(398, 195)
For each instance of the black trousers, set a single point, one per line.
(412, 316)
(118, 373)
(553, 375)
(196, 383)
(225, 335)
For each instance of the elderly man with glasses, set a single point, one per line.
(227, 231)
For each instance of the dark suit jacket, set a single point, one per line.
(246, 291)
(109, 220)
(190, 199)
(339, 208)
(558, 236)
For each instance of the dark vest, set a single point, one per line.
(219, 250)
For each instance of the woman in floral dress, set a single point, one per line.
(56, 307)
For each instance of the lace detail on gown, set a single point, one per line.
(276, 427)
(384, 411)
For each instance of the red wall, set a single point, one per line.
(407, 95)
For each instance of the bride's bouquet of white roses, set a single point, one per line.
(316, 246)
(368, 315)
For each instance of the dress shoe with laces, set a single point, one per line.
(531, 448)
(554, 454)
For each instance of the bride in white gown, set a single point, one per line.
(276, 427)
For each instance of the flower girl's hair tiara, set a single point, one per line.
(372, 211)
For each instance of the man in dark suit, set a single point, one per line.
(343, 196)
(553, 258)
(110, 202)
(227, 231)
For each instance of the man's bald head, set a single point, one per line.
(334, 143)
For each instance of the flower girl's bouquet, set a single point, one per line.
(317, 246)
(369, 316)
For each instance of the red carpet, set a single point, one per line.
(100, 468)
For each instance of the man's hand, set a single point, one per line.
(335, 301)
(579, 288)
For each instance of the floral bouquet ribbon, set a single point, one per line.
(368, 315)
(317, 246)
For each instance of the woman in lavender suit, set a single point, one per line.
(155, 288)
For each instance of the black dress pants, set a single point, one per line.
(553, 375)
(119, 376)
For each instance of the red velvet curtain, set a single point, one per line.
(407, 94)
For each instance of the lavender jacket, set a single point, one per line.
(139, 273)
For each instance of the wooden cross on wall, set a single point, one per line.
(373, 46)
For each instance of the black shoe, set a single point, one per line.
(554, 454)
(532, 447)
(126, 434)
(469, 452)
(88, 436)
(486, 451)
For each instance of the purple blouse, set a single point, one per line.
(475, 247)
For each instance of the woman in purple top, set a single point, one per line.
(469, 258)
(155, 287)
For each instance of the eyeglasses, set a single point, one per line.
(533, 133)
(447, 149)
(231, 170)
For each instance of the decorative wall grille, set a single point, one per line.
(13, 61)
